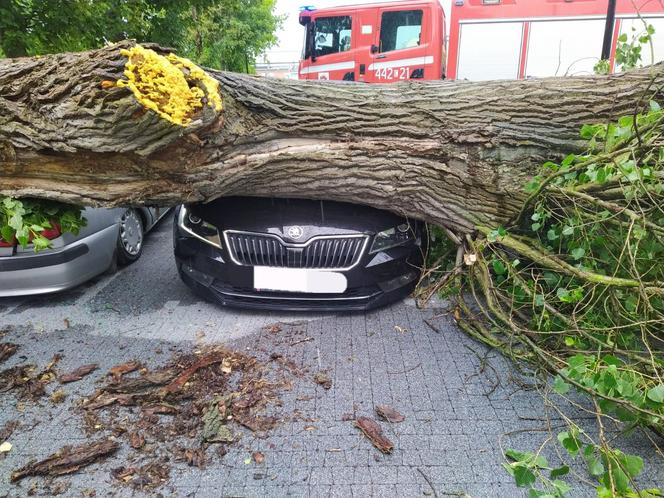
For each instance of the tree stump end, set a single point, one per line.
(173, 87)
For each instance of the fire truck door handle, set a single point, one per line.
(381, 56)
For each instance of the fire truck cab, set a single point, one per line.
(377, 43)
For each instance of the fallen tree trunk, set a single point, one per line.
(574, 280)
(453, 153)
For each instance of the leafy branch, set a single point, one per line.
(25, 221)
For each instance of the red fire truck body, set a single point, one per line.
(489, 39)
(536, 38)
(377, 43)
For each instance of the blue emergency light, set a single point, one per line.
(307, 8)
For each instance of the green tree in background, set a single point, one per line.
(223, 34)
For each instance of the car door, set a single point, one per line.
(403, 44)
(332, 56)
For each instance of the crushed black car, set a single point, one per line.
(296, 254)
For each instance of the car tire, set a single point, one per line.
(130, 237)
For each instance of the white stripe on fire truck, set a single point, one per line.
(339, 66)
(646, 16)
(415, 61)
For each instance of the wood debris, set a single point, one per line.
(374, 433)
(203, 362)
(68, 460)
(273, 329)
(58, 396)
(136, 440)
(27, 381)
(205, 397)
(7, 350)
(160, 409)
(390, 414)
(8, 429)
(150, 475)
(258, 457)
(78, 374)
(194, 457)
(322, 379)
(119, 370)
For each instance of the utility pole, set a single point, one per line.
(608, 30)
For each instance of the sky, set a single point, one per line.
(291, 35)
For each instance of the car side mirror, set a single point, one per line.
(374, 49)
(311, 33)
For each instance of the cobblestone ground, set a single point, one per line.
(462, 402)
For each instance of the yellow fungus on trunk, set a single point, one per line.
(173, 87)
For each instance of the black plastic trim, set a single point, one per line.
(13, 263)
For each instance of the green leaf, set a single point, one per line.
(603, 492)
(595, 466)
(22, 236)
(523, 476)
(559, 472)
(16, 221)
(499, 267)
(494, 235)
(561, 487)
(569, 442)
(589, 131)
(560, 386)
(578, 253)
(656, 394)
(568, 160)
(537, 493)
(518, 456)
(633, 464)
(620, 479)
(7, 233)
(532, 186)
(551, 278)
(601, 175)
(40, 243)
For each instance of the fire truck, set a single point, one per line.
(489, 39)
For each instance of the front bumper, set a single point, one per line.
(379, 279)
(57, 270)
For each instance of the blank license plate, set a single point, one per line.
(299, 280)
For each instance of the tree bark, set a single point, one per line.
(453, 153)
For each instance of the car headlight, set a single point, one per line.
(392, 237)
(196, 227)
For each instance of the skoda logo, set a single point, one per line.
(295, 232)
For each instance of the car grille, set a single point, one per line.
(253, 249)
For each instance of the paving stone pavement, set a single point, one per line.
(463, 403)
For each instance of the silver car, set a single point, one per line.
(111, 237)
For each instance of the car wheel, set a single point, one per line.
(130, 238)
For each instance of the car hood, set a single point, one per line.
(279, 216)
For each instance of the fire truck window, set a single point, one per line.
(399, 30)
(333, 35)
